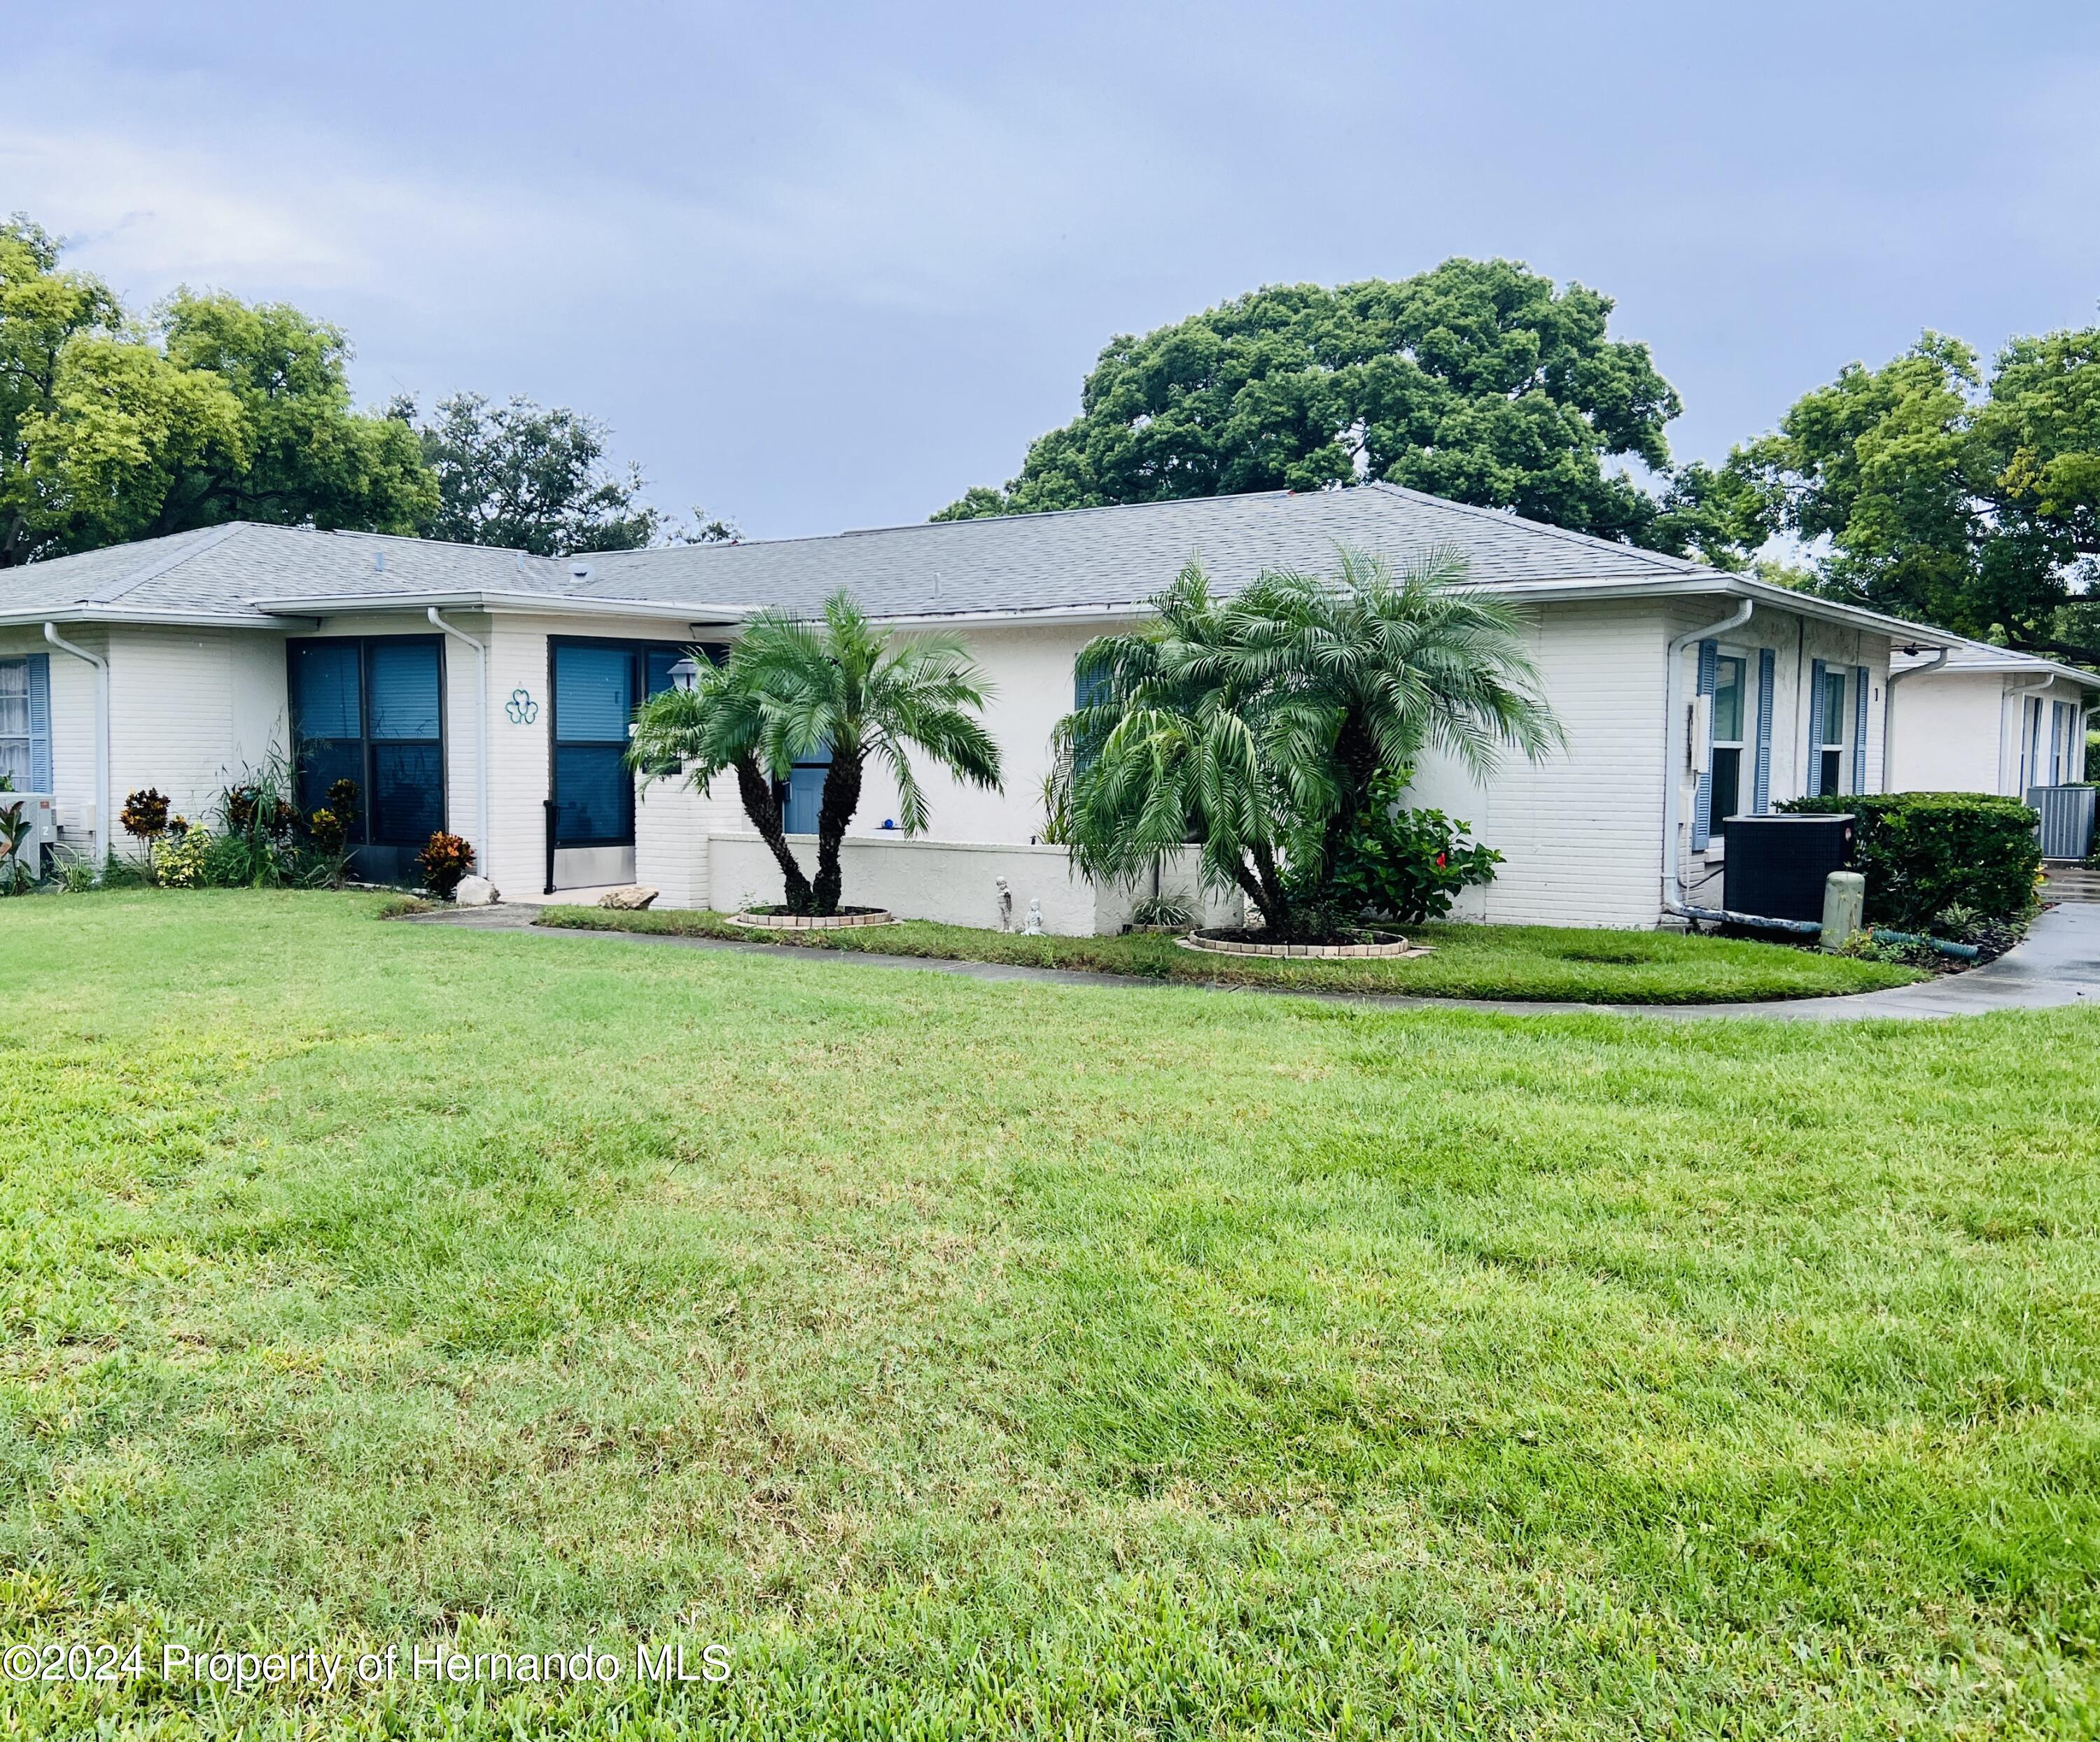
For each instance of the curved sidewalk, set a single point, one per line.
(2058, 964)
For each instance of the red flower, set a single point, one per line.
(1439, 861)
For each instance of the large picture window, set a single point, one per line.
(370, 710)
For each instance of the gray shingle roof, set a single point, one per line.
(1118, 556)
(1088, 557)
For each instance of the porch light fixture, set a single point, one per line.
(685, 674)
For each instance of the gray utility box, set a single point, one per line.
(2066, 832)
(1776, 866)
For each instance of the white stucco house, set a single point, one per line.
(488, 692)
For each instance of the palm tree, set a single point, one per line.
(791, 691)
(1384, 663)
(1256, 725)
(717, 726)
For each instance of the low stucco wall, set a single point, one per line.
(953, 882)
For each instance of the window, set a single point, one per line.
(369, 710)
(1831, 752)
(1730, 688)
(16, 760)
(596, 686)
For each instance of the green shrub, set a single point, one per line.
(1923, 852)
(1402, 864)
(184, 859)
(444, 860)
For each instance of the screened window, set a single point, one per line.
(1831, 750)
(1730, 688)
(17, 761)
(369, 710)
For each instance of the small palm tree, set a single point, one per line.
(1256, 725)
(715, 727)
(1381, 664)
(791, 691)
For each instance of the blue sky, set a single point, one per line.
(824, 268)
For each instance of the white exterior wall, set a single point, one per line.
(673, 825)
(1961, 731)
(1949, 733)
(950, 881)
(1030, 671)
(1581, 830)
(190, 711)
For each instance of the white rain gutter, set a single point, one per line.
(1672, 784)
(1939, 656)
(101, 739)
(481, 734)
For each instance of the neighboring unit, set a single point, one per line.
(489, 692)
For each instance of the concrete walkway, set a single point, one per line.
(2058, 963)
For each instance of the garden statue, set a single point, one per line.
(1034, 928)
(1005, 904)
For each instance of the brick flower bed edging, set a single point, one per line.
(1226, 946)
(812, 922)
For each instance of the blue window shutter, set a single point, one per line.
(40, 722)
(1813, 785)
(1761, 789)
(1702, 800)
(1858, 729)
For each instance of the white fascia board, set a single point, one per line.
(1716, 583)
(521, 604)
(178, 619)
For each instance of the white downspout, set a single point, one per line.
(481, 736)
(1673, 692)
(1889, 710)
(101, 739)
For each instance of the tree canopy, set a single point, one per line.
(1480, 380)
(535, 477)
(211, 409)
(1930, 489)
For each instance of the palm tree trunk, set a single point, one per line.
(763, 807)
(841, 800)
(1357, 758)
(1263, 887)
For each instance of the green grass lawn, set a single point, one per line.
(1527, 962)
(979, 1358)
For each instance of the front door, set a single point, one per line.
(596, 684)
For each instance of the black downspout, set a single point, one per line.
(548, 804)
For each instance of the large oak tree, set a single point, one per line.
(1481, 381)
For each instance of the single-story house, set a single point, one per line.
(488, 692)
(1971, 717)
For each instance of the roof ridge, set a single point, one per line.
(928, 526)
(1662, 559)
(209, 538)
